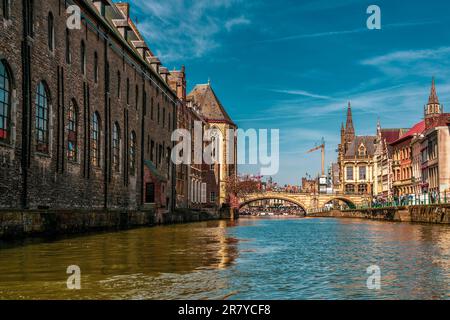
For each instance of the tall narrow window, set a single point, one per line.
(5, 9)
(349, 173)
(95, 67)
(42, 118)
(95, 140)
(137, 97)
(164, 117)
(72, 136)
(159, 113)
(51, 32)
(83, 58)
(133, 153)
(68, 53)
(116, 147)
(118, 84)
(152, 151)
(128, 91)
(30, 17)
(152, 107)
(5, 103)
(170, 121)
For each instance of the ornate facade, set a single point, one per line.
(355, 160)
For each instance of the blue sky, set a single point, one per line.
(293, 65)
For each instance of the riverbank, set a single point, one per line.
(436, 214)
(19, 224)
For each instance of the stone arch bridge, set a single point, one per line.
(308, 202)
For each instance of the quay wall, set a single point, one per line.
(18, 224)
(437, 214)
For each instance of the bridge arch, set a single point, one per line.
(347, 201)
(286, 199)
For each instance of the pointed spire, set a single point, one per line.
(433, 99)
(378, 128)
(349, 125)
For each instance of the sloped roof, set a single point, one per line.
(210, 106)
(391, 135)
(155, 173)
(367, 141)
(417, 129)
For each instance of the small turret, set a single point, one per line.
(433, 107)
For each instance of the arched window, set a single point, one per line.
(95, 140)
(116, 147)
(5, 9)
(133, 153)
(51, 32)
(68, 53)
(83, 58)
(5, 103)
(95, 67)
(42, 118)
(72, 136)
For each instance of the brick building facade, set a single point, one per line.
(86, 114)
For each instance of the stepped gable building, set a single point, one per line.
(215, 175)
(355, 159)
(86, 115)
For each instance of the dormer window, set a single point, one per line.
(362, 152)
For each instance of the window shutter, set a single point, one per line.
(203, 192)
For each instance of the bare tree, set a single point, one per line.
(239, 188)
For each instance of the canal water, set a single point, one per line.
(247, 259)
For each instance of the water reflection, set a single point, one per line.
(248, 259)
(142, 263)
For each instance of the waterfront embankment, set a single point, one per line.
(437, 214)
(17, 224)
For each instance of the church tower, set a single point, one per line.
(433, 107)
(349, 129)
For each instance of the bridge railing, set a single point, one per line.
(316, 193)
(416, 200)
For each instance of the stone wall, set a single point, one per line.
(439, 214)
(120, 95)
(16, 224)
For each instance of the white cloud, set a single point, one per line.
(240, 21)
(344, 32)
(303, 93)
(408, 63)
(183, 30)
